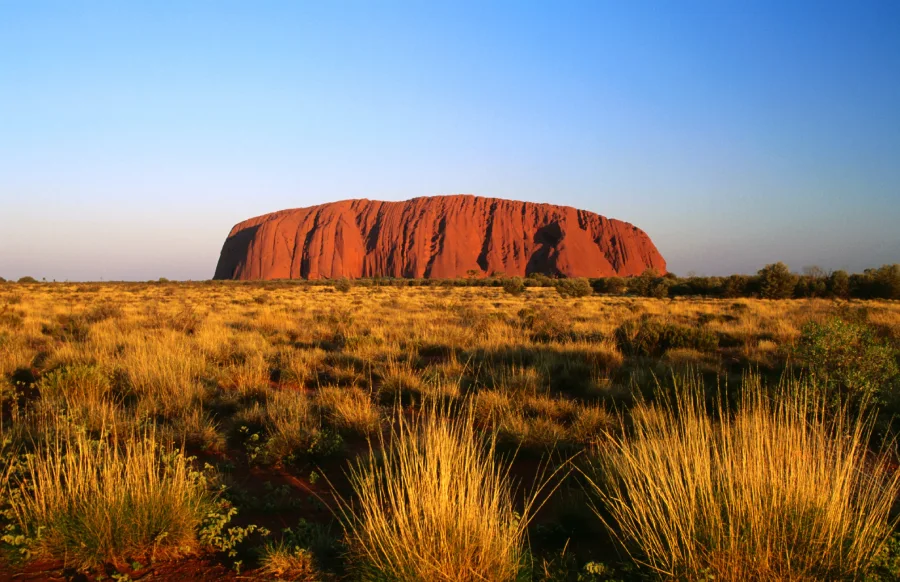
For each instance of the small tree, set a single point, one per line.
(776, 281)
(27, 280)
(343, 285)
(514, 286)
(839, 284)
(578, 287)
(887, 282)
(651, 284)
(640, 285)
(815, 272)
(735, 286)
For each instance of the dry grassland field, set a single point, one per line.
(292, 431)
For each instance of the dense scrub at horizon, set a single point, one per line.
(774, 281)
(482, 429)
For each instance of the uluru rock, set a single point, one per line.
(436, 236)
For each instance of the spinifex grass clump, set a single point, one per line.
(88, 501)
(780, 490)
(432, 503)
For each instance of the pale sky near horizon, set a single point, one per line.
(133, 135)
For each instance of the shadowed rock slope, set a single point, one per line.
(436, 236)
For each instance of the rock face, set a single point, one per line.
(438, 236)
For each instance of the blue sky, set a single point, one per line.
(134, 135)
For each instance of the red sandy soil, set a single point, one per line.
(196, 569)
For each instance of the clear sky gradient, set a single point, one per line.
(133, 135)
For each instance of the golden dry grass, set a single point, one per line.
(783, 490)
(432, 503)
(279, 377)
(87, 501)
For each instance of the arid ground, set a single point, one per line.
(293, 431)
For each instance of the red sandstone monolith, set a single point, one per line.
(435, 236)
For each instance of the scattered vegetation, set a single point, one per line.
(223, 423)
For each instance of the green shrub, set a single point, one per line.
(514, 285)
(650, 284)
(847, 357)
(27, 280)
(538, 280)
(652, 338)
(577, 287)
(343, 285)
(886, 565)
(611, 285)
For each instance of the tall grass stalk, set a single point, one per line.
(432, 503)
(88, 502)
(780, 490)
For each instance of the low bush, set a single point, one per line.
(652, 338)
(546, 325)
(847, 358)
(102, 312)
(75, 385)
(68, 328)
(610, 285)
(577, 287)
(514, 286)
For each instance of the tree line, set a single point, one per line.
(774, 281)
